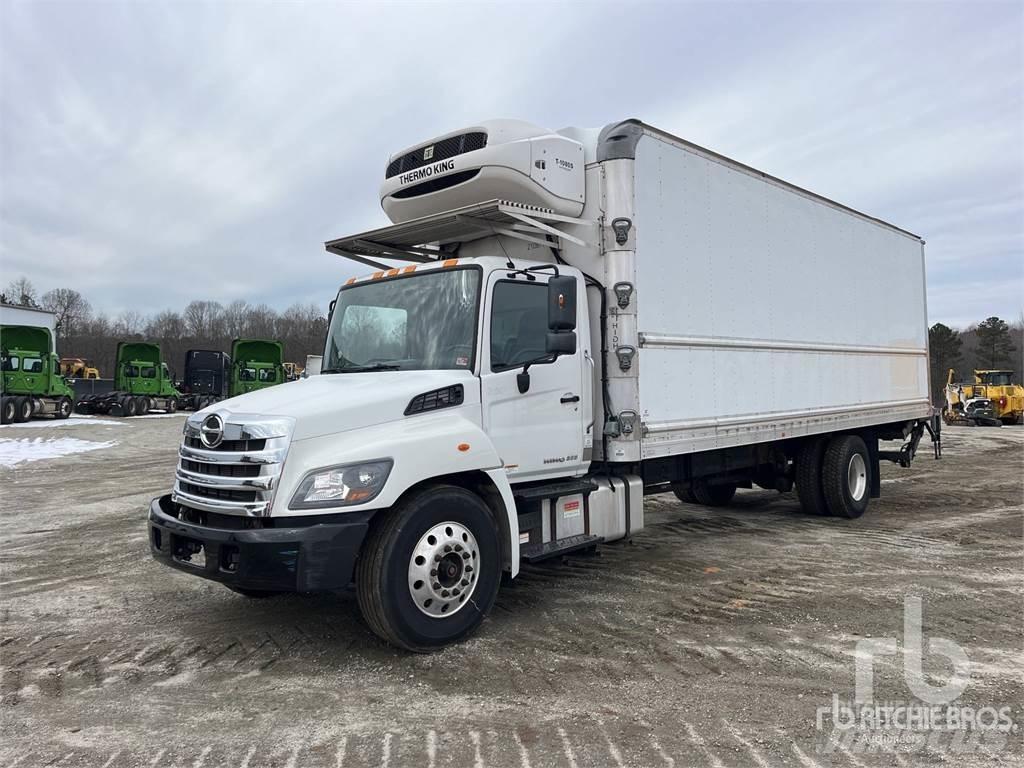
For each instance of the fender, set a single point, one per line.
(446, 442)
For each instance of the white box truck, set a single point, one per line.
(555, 325)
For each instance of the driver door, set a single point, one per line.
(538, 433)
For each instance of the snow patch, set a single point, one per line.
(74, 421)
(14, 452)
(161, 415)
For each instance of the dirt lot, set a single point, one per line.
(712, 639)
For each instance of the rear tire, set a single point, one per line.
(684, 493)
(130, 406)
(7, 410)
(64, 408)
(809, 468)
(713, 495)
(22, 409)
(846, 478)
(411, 613)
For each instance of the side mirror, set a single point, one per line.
(562, 303)
(563, 343)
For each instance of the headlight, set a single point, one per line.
(342, 485)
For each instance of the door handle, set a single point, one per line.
(570, 399)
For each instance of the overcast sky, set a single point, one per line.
(155, 154)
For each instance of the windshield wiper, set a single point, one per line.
(362, 368)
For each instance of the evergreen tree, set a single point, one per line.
(994, 343)
(944, 349)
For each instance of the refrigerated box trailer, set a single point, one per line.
(556, 324)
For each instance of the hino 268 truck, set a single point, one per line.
(556, 324)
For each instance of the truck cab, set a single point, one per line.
(207, 373)
(142, 382)
(31, 376)
(258, 363)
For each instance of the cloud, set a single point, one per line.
(152, 154)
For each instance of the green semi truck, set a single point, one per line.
(142, 383)
(32, 381)
(257, 363)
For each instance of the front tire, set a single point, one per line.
(846, 476)
(64, 408)
(429, 570)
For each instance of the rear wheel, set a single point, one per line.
(809, 464)
(684, 493)
(713, 495)
(846, 478)
(429, 571)
(22, 409)
(7, 410)
(130, 406)
(64, 408)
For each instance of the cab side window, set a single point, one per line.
(519, 324)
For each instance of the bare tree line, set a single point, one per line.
(81, 332)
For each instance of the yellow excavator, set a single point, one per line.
(1005, 399)
(77, 368)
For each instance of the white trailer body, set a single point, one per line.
(556, 324)
(764, 311)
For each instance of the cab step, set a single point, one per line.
(534, 553)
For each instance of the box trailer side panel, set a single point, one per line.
(766, 312)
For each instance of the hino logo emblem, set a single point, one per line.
(211, 433)
(428, 153)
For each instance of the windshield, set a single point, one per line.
(998, 378)
(425, 321)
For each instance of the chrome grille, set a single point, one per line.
(239, 475)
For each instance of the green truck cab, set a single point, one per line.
(257, 364)
(142, 383)
(32, 381)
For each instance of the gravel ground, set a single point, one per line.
(712, 639)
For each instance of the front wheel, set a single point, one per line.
(64, 408)
(429, 570)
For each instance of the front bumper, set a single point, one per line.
(304, 555)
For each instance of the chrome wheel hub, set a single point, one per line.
(444, 569)
(857, 477)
